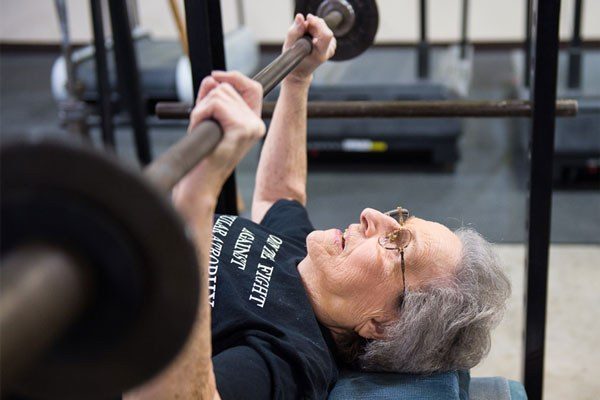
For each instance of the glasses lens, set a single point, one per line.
(387, 244)
(396, 240)
(399, 213)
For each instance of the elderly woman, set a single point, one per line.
(289, 304)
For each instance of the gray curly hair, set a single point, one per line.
(444, 325)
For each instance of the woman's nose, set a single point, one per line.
(370, 221)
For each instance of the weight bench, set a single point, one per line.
(448, 385)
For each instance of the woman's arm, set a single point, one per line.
(191, 375)
(282, 167)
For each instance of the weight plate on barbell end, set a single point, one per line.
(355, 38)
(146, 289)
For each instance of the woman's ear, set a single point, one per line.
(374, 328)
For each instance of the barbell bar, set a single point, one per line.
(397, 109)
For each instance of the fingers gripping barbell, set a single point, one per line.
(99, 284)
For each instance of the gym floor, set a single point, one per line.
(487, 190)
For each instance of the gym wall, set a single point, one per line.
(34, 21)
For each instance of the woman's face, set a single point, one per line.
(355, 283)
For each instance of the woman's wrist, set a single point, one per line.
(295, 90)
(191, 200)
(194, 208)
(292, 80)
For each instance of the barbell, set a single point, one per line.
(100, 283)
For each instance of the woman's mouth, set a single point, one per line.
(339, 239)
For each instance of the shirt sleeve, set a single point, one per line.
(241, 373)
(289, 218)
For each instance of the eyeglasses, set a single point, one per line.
(398, 240)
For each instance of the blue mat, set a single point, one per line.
(383, 386)
(442, 386)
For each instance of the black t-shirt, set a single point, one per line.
(266, 340)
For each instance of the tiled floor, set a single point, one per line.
(572, 368)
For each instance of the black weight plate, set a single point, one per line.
(146, 292)
(362, 34)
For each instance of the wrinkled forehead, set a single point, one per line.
(431, 228)
(435, 239)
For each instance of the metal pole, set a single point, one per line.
(200, 53)
(73, 112)
(421, 109)
(545, 35)
(215, 22)
(128, 75)
(133, 13)
(102, 78)
(207, 53)
(173, 164)
(527, 44)
(397, 109)
(181, 30)
(227, 202)
(575, 48)
(43, 289)
(464, 29)
(423, 47)
(65, 44)
(241, 15)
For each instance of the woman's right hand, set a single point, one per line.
(235, 102)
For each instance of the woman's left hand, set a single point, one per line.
(323, 41)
